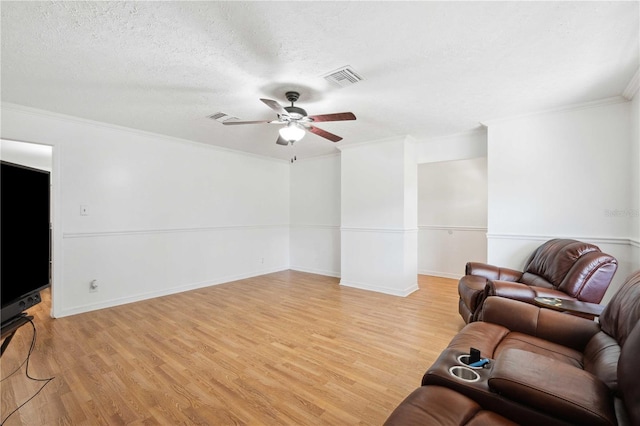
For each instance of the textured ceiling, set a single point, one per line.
(429, 68)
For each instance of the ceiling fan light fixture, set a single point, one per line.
(292, 132)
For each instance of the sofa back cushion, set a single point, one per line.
(553, 259)
(535, 280)
(576, 268)
(623, 311)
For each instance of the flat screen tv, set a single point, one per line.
(25, 237)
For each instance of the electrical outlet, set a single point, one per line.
(93, 286)
(84, 210)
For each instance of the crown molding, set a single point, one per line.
(632, 88)
(317, 157)
(571, 107)
(405, 138)
(478, 131)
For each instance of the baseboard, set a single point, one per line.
(324, 272)
(386, 290)
(440, 274)
(165, 292)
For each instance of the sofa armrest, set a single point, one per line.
(519, 291)
(557, 327)
(555, 388)
(492, 272)
(511, 290)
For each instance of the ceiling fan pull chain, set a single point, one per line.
(293, 151)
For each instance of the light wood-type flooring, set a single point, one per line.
(288, 348)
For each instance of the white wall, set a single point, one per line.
(560, 174)
(458, 146)
(379, 216)
(452, 216)
(165, 215)
(452, 203)
(452, 207)
(315, 215)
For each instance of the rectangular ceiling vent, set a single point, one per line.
(344, 76)
(221, 117)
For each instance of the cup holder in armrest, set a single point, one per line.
(464, 360)
(464, 373)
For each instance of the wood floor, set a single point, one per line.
(287, 348)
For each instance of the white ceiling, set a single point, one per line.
(429, 68)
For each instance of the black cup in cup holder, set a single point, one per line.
(464, 360)
(464, 373)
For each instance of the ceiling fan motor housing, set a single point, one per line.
(296, 112)
(292, 96)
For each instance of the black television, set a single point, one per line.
(25, 246)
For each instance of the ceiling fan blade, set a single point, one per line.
(282, 141)
(230, 122)
(324, 134)
(275, 106)
(340, 116)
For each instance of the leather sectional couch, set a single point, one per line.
(546, 367)
(563, 268)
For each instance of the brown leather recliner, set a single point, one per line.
(567, 269)
(546, 368)
(437, 405)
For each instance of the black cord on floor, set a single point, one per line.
(33, 345)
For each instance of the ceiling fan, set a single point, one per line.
(297, 121)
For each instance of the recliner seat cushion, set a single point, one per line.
(492, 339)
(561, 390)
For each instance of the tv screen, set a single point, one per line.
(24, 234)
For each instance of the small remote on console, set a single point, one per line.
(474, 355)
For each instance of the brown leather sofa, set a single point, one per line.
(567, 269)
(546, 367)
(437, 405)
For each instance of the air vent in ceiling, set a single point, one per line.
(221, 117)
(344, 76)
